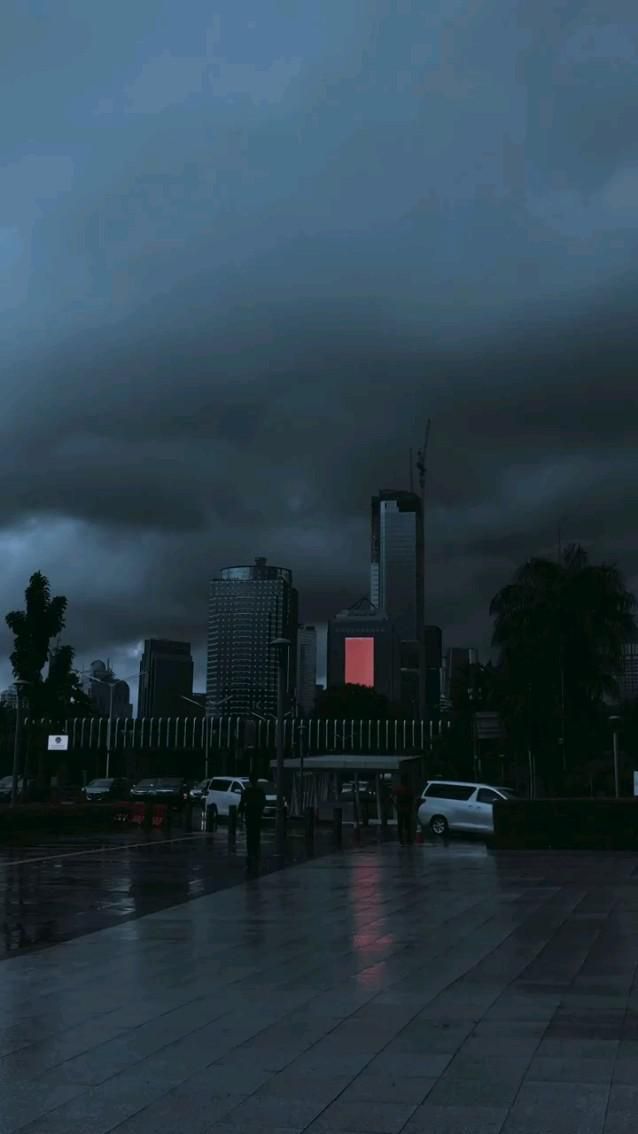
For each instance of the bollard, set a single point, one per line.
(148, 816)
(232, 828)
(188, 816)
(309, 830)
(338, 826)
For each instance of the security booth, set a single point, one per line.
(361, 785)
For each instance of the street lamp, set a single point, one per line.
(17, 737)
(614, 724)
(110, 684)
(282, 648)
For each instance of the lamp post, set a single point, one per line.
(202, 709)
(282, 647)
(110, 684)
(17, 737)
(614, 724)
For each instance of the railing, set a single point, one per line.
(189, 734)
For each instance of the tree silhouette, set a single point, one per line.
(559, 629)
(55, 694)
(353, 703)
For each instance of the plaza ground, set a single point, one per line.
(382, 991)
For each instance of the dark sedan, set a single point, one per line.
(172, 790)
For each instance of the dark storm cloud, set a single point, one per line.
(245, 255)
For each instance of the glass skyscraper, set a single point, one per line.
(397, 582)
(249, 606)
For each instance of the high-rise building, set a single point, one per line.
(433, 664)
(306, 668)
(249, 606)
(98, 683)
(628, 680)
(397, 582)
(457, 664)
(166, 677)
(363, 649)
(9, 697)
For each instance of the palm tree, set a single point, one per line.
(559, 631)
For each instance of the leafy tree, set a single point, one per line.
(559, 628)
(34, 629)
(353, 703)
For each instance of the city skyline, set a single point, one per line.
(222, 330)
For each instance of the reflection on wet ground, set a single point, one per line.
(64, 888)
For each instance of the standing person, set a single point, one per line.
(404, 803)
(251, 808)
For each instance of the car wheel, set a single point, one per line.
(439, 825)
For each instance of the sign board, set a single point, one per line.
(635, 783)
(58, 744)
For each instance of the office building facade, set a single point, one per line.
(628, 679)
(364, 649)
(397, 583)
(306, 668)
(249, 606)
(166, 677)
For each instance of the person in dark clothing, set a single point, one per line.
(404, 803)
(251, 808)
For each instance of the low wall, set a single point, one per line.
(40, 818)
(566, 824)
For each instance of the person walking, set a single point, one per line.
(404, 803)
(251, 808)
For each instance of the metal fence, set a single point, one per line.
(223, 733)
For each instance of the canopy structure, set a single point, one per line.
(317, 781)
(348, 763)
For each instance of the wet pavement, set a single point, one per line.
(59, 889)
(382, 991)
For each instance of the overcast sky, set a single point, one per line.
(247, 247)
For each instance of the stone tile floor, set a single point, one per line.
(383, 991)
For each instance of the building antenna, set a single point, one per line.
(411, 469)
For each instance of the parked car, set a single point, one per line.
(114, 787)
(225, 792)
(172, 790)
(198, 791)
(6, 786)
(367, 791)
(455, 805)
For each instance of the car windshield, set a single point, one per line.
(168, 783)
(100, 783)
(507, 792)
(146, 784)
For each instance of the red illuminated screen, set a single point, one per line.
(360, 661)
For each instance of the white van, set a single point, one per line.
(457, 805)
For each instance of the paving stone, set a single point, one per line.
(432, 1119)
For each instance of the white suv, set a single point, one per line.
(225, 792)
(456, 805)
